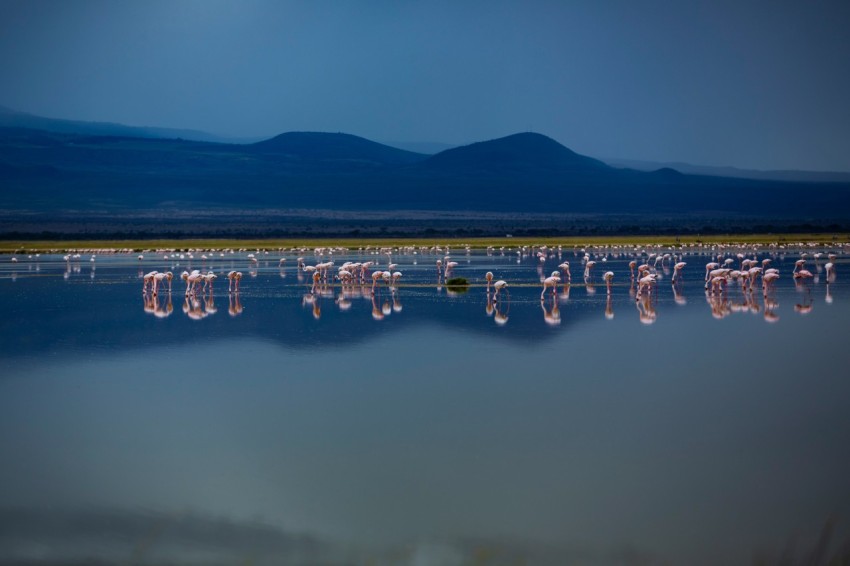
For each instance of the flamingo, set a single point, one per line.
(677, 270)
(608, 277)
(498, 286)
(158, 278)
(376, 276)
(551, 281)
(565, 267)
(768, 278)
(233, 278)
(645, 283)
(208, 280)
(718, 283)
(714, 273)
(148, 280)
(830, 270)
(344, 276)
(191, 280)
(489, 277)
(449, 266)
(588, 268)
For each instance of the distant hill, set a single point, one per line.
(525, 151)
(790, 175)
(327, 146)
(13, 119)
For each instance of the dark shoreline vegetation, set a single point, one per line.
(24, 245)
(347, 225)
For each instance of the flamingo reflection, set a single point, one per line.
(609, 308)
(551, 314)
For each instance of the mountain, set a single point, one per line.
(789, 175)
(517, 152)
(429, 148)
(327, 146)
(525, 172)
(13, 119)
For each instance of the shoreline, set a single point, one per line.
(137, 245)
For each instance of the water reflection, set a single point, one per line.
(551, 313)
(646, 308)
(730, 276)
(158, 305)
(234, 306)
(452, 442)
(609, 307)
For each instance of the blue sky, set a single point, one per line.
(751, 84)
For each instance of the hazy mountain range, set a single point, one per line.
(59, 165)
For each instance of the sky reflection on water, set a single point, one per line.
(312, 430)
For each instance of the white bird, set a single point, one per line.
(551, 281)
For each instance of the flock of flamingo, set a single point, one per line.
(648, 266)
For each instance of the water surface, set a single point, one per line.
(421, 425)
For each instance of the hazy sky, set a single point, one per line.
(746, 83)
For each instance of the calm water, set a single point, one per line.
(422, 426)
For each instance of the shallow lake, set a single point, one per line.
(423, 424)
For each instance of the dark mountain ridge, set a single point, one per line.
(529, 172)
(521, 151)
(13, 119)
(339, 146)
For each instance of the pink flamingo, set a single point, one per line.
(830, 271)
(608, 277)
(148, 279)
(645, 283)
(192, 280)
(768, 279)
(677, 270)
(498, 286)
(449, 266)
(551, 281)
(159, 278)
(233, 278)
(718, 283)
(208, 280)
